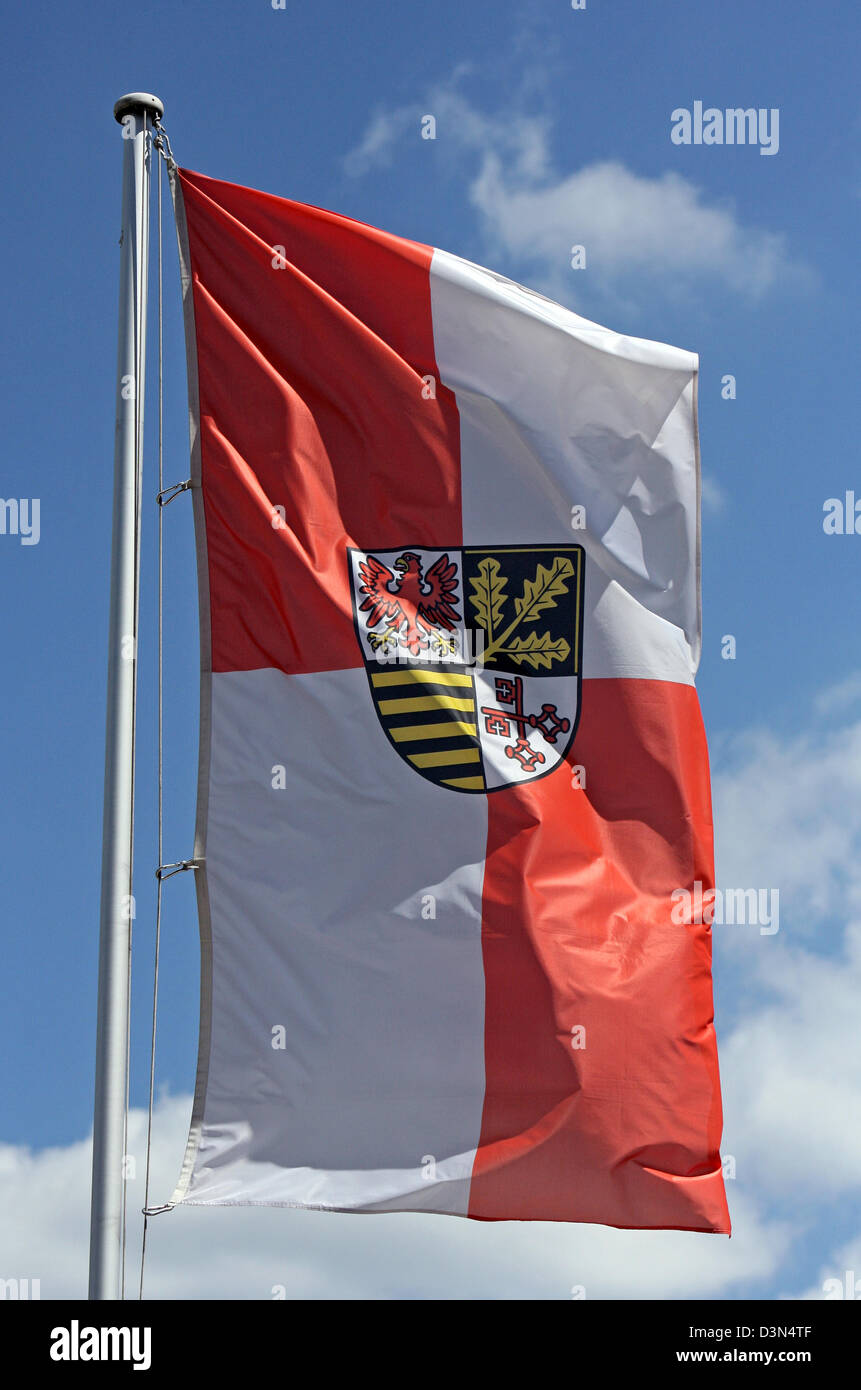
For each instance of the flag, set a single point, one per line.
(452, 764)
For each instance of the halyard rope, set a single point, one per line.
(159, 144)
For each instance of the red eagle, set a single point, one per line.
(422, 602)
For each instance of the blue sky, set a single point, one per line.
(553, 128)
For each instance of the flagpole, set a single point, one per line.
(135, 113)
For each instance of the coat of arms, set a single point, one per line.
(473, 657)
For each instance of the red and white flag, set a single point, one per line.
(452, 761)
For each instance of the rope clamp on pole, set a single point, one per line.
(168, 870)
(167, 494)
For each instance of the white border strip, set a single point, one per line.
(205, 735)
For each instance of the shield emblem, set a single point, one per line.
(474, 657)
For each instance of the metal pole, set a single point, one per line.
(135, 113)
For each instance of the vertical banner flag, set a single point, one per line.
(453, 769)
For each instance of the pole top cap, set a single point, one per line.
(136, 103)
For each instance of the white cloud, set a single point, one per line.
(840, 696)
(637, 230)
(377, 145)
(840, 1275)
(788, 814)
(243, 1253)
(713, 496)
(629, 224)
(791, 1074)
